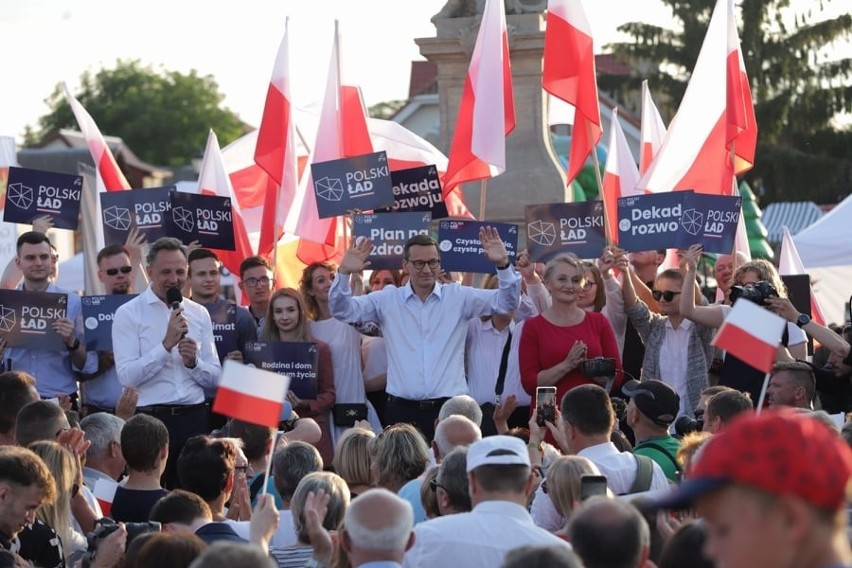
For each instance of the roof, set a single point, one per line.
(795, 215)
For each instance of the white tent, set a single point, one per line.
(826, 251)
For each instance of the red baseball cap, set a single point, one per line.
(779, 452)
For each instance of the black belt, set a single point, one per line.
(424, 404)
(92, 409)
(170, 409)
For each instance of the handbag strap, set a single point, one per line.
(504, 361)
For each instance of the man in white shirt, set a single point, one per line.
(588, 421)
(167, 352)
(500, 480)
(424, 322)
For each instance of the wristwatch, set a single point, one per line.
(803, 320)
(505, 266)
(74, 346)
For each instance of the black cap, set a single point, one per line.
(655, 399)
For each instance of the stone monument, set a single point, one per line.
(532, 173)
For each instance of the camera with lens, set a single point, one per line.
(757, 293)
(599, 367)
(106, 526)
(619, 407)
(687, 425)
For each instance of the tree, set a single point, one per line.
(798, 85)
(163, 116)
(386, 109)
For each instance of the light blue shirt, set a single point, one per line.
(425, 340)
(411, 493)
(53, 370)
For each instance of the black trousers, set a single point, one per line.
(182, 422)
(419, 413)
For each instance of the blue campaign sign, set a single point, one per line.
(558, 228)
(294, 359)
(224, 318)
(389, 232)
(34, 193)
(710, 220)
(26, 318)
(362, 183)
(651, 221)
(458, 243)
(146, 209)
(98, 312)
(203, 218)
(418, 189)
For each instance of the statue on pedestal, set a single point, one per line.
(467, 8)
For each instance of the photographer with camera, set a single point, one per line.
(756, 281)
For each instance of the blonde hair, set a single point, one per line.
(333, 486)
(564, 258)
(765, 270)
(352, 456)
(398, 454)
(689, 446)
(306, 284)
(270, 329)
(563, 482)
(57, 513)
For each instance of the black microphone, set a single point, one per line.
(174, 298)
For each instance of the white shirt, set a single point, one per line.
(673, 360)
(285, 534)
(620, 468)
(481, 537)
(483, 352)
(425, 340)
(142, 362)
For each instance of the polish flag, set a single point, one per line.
(104, 493)
(276, 149)
(620, 176)
(713, 135)
(213, 180)
(790, 263)
(486, 113)
(109, 176)
(569, 74)
(342, 133)
(250, 394)
(652, 132)
(752, 334)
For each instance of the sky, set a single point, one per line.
(49, 41)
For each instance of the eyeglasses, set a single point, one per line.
(252, 282)
(419, 264)
(123, 270)
(589, 284)
(434, 485)
(241, 469)
(668, 295)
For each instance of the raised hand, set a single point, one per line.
(692, 256)
(316, 507)
(492, 246)
(42, 224)
(355, 258)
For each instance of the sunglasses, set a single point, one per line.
(434, 485)
(123, 270)
(667, 295)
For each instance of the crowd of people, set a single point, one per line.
(571, 414)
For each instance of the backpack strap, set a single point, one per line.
(662, 450)
(256, 486)
(644, 472)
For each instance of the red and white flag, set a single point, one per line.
(342, 133)
(213, 180)
(620, 176)
(250, 394)
(569, 74)
(276, 149)
(486, 113)
(109, 176)
(790, 263)
(104, 493)
(652, 132)
(752, 334)
(712, 137)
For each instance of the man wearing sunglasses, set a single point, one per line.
(424, 322)
(101, 389)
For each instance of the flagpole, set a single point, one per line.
(607, 231)
(268, 467)
(483, 189)
(762, 394)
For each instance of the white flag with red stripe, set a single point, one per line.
(276, 149)
(752, 334)
(104, 492)
(342, 133)
(486, 113)
(620, 176)
(109, 175)
(713, 135)
(250, 394)
(569, 74)
(213, 180)
(790, 263)
(653, 130)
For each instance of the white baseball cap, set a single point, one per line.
(497, 450)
